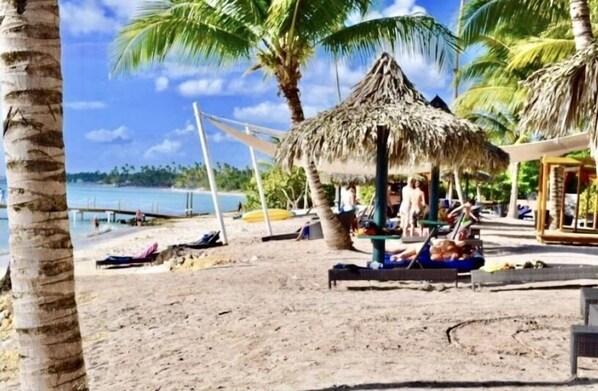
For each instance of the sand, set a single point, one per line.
(259, 316)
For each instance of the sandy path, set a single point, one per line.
(269, 322)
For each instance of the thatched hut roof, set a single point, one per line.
(563, 97)
(491, 158)
(385, 98)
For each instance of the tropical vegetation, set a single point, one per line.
(278, 37)
(227, 177)
(41, 254)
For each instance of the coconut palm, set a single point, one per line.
(45, 311)
(279, 37)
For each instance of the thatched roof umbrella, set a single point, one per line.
(564, 97)
(384, 116)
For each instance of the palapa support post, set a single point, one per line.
(381, 190)
(434, 193)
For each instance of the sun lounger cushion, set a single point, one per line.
(146, 256)
(211, 239)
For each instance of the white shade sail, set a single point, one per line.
(518, 152)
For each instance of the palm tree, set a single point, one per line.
(560, 100)
(279, 37)
(43, 286)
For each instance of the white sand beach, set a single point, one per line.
(260, 316)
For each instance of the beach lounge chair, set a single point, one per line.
(424, 270)
(145, 257)
(552, 273)
(584, 338)
(211, 239)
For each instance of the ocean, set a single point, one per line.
(167, 201)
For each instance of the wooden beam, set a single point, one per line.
(576, 221)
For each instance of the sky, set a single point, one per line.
(147, 118)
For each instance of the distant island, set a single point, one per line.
(228, 178)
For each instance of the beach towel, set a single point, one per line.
(474, 262)
(146, 256)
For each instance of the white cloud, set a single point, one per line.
(403, 7)
(188, 128)
(268, 112)
(86, 17)
(249, 86)
(219, 137)
(161, 83)
(96, 16)
(85, 105)
(397, 8)
(104, 136)
(201, 87)
(166, 147)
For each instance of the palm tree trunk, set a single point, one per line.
(335, 234)
(458, 188)
(513, 211)
(43, 285)
(579, 11)
(580, 20)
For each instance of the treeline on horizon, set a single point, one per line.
(227, 177)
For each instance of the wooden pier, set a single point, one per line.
(112, 212)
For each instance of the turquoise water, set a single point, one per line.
(165, 201)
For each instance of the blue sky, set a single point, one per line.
(148, 119)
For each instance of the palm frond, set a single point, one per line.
(499, 124)
(538, 52)
(185, 30)
(482, 68)
(419, 35)
(487, 96)
(310, 20)
(482, 17)
(563, 97)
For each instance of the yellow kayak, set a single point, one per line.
(274, 214)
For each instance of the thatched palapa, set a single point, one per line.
(385, 98)
(385, 117)
(563, 97)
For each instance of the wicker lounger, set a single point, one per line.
(126, 261)
(584, 338)
(588, 297)
(558, 273)
(397, 274)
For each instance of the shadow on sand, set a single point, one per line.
(437, 385)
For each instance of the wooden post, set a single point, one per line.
(381, 191)
(595, 206)
(563, 196)
(587, 208)
(544, 200)
(577, 203)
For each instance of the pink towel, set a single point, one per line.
(148, 251)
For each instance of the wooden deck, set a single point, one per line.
(560, 237)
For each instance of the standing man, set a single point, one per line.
(418, 205)
(406, 205)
